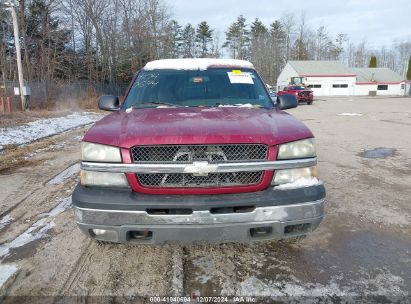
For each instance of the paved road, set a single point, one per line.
(361, 249)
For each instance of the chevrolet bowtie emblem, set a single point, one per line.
(200, 168)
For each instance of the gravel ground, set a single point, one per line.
(361, 250)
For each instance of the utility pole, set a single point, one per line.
(11, 6)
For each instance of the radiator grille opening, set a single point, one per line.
(189, 180)
(187, 154)
(190, 153)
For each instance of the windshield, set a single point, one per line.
(209, 88)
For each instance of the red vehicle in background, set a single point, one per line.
(303, 94)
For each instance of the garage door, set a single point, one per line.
(339, 89)
(317, 89)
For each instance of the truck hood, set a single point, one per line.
(158, 126)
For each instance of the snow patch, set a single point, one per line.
(350, 114)
(246, 105)
(45, 127)
(196, 64)
(177, 272)
(5, 220)
(299, 183)
(66, 174)
(205, 267)
(36, 231)
(6, 272)
(60, 208)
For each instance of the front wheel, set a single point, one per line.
(309, 103)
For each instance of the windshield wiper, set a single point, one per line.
(160, 103)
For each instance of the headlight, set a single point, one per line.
(100, 153)
(291, 175)
(103, 179)
(297, 149)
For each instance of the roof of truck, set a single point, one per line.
(196, 64)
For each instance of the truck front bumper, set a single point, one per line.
(125, 216)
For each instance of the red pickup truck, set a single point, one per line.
(302, 94)
(198, 151)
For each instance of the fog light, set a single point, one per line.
(99, 231)
(104, 235)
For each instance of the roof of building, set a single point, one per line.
(377, 75)
(321, 68)
(197, 64)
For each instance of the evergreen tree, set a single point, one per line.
(409, 69)
(300, 50)
(46, 41)
(258, 29)
(173, 44)
(204, 37)
(237, 38)
(373, 62)
(188, 39)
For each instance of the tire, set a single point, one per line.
(309, 103)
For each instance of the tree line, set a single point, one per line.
(107, 41)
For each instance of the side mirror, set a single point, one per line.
(109, 103)
(287, 101)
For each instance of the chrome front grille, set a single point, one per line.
(191, 181)
(199, 153)
(190, 153)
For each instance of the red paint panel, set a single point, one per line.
(161, 126)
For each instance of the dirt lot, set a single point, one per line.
(361, 249)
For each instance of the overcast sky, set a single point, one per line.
(378, 21)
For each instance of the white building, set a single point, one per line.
(332, 78)
(381, 80)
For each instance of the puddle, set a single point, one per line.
(64, 175)
(378, 153)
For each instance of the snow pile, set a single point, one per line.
(45, 127)
(299, 183)
(6, 272)
(196, 64)
(36, 231)
(350, 114)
